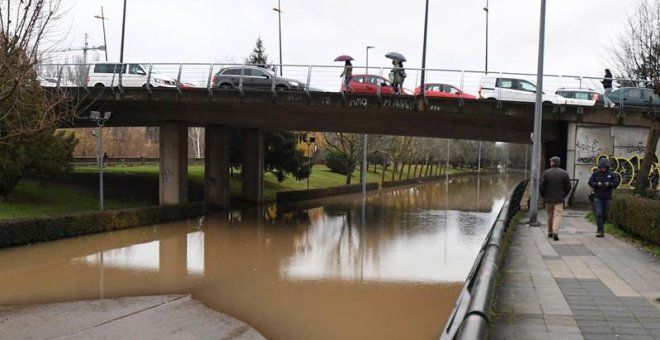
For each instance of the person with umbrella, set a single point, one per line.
(398, 74)
(347, 73)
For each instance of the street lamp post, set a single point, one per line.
(538, 112)
(365, 145)
(121, 50)
(105, 42)
(100, 121)
(279, 20)
(368, 48)
(486, 9)
(426, 26)
(309, 140)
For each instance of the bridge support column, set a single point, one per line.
(216, 166)
(253, 165)
(173, 163)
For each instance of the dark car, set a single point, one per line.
(254, 78)
(635, 96)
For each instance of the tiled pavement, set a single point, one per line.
(580, 287)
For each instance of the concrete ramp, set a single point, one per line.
(147, 317)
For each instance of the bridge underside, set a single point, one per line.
(254, 112)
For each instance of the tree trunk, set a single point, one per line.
(348, 178)
(396, 166)
(382, 178)
(401, 171)
(415, 170)
(409, 166)
(642, 182)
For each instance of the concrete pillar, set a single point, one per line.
(252, 171)
(173, 163)
(216, 166)
(570, 149)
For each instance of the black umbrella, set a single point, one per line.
(396, 56)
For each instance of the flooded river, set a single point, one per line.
(388, 267)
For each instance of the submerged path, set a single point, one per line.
(580, 287)
(148, 317)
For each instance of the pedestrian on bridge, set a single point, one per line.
(603, 182)
(348, 75)
(396, 76)
(554, 187)
(607, 85)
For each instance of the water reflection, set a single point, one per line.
(388, 267)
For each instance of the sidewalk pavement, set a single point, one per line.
(143, 317)
(580, 287)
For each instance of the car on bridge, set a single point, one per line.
(580, 97)
(368, 84)
(635, 97)
(513, 89)
(132, 75)
(443, 91)
(254, 78)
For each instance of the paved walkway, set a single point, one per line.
(146, 317)
(580, 287)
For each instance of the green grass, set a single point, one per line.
(634, 239)
(44, 199)
(41, 199)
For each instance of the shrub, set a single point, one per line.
(19, 232)
(338, 162)
(636, 215)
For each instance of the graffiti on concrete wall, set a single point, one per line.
(627, 169)
(586, 150)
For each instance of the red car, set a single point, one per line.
(444, 91)
(368, 84)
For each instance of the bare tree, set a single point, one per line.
(196, 136)
(22, 27)
(349, 146)
(637, 55)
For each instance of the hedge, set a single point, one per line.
(26, 231)
(303, 195)
(638, 216)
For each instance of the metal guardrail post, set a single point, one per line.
(178, 79)
(59, 76)
(309, 80)
(461, 101)
(151, 67)
(272, 87)
(240, 81)
(499, 93)
(208, 80)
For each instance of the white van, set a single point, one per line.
(513, 89)
(133, 75)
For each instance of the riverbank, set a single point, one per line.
(137, 186)
(147, 317)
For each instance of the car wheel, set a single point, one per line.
(99, 85)
(281, 88)
(491, 99)
(148, 86)
(225, 87)
(548, 103)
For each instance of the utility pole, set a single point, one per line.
(365, 145)
(538, 112)
(121, 50)
(279, 19)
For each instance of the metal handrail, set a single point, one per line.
(316, 78)
(470, 317)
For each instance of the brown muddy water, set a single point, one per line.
(388, 267)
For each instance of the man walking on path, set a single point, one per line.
(603, 182)
(554, 187)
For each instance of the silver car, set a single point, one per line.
(254, 78)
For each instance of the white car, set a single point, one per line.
(133, 75)
(581, 97)
(513, 89)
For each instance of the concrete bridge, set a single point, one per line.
(175, 109)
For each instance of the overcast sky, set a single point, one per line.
(316, 31)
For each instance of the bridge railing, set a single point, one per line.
(314, 77)
(470, 317)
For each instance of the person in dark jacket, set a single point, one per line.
(607, 85)
(603, 182)
(554, 187)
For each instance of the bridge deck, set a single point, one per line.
(334, 112)
(580, 287)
